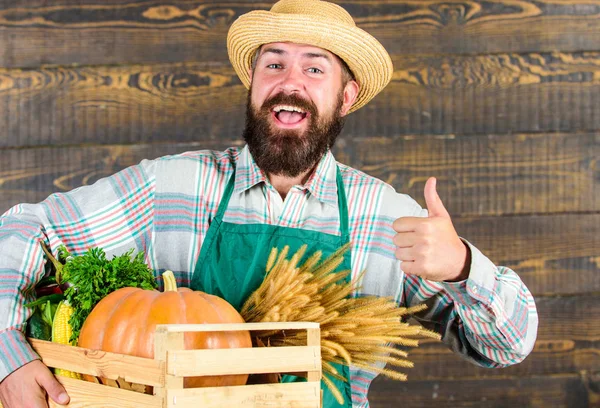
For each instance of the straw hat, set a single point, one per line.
(318, 23)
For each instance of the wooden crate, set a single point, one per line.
(171, 364)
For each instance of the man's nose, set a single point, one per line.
(292, 81)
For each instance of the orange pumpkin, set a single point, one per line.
(124, 322)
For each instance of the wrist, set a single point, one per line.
(466, 266)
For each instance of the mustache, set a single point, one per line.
(291, 99)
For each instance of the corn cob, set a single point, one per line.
(61, 333)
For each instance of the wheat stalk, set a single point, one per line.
(358, 331)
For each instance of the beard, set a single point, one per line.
(290, 152)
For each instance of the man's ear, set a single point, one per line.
(350, 94)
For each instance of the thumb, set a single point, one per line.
(435, 207)
(54, 389)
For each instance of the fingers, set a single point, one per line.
(407, 224)
(39, 400)
(22, 387)
(418, 253)
(408, 267)
(405, 239)
(435, 207)
(405, 254)
(430, 192)
(429, 246)
(55, 390)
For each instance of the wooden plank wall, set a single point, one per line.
(499, 99)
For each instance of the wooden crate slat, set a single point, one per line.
(257, 360)
(238, 326)
(313, 338)
(163, 342)
(169, 391)
(297, 395)
(100, 363)
(91, 395)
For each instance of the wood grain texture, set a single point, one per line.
(568, 342)
(91, 32)
(100, 363)
(87, 394)
(554, 253)
(487, 174)
(190, 363)
(131, 104)
(295, 394)
(503, 93)
(478, 175)
(499, 99)
(578, 390)
(30, 175)
(498, 94)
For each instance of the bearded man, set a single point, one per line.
(212, 217)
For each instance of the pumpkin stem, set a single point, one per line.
(170, 282)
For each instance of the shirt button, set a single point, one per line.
(474, 289)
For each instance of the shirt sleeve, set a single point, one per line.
(490, 318)
(114, 213)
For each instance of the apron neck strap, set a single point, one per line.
(226, 196)
(341, 193)
(343, 206)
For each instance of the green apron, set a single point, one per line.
(233, 259)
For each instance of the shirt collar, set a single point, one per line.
(321, 184)
(247, 173)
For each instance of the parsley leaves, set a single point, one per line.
(91, 277)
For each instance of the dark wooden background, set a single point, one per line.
(499, 99)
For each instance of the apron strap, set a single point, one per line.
(342, 207)
(226, 196)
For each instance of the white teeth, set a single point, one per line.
(289, 108)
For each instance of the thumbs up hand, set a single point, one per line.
(430, 247)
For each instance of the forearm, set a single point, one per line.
(113, 214)
(490, 318)
(15, 352)
(21, 267)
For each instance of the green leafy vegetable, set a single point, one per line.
(92, 277)
(39, 325)
(55, 298)
(38, 328)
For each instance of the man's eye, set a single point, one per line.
(315, 71)
(274, 66)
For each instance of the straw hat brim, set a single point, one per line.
(367, 58)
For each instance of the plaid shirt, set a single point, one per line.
(165, 206)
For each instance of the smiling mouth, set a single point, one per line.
(289, 115)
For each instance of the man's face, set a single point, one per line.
(296, 106)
